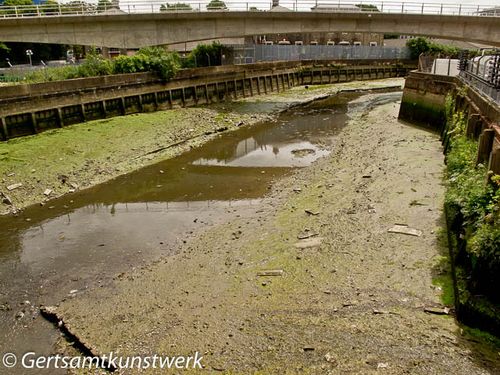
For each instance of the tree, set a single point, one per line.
(104, 5)
(26, 9)
(80, 6)
(216, 5)
(368, 7)
(205, 55)
(149, 59)
(175, 7)
(49, 7)
(417, 46)
(421, 45)
(11, 3)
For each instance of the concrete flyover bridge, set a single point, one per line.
(134, 24)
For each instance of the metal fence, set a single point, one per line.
(259, 52)
(481, 85)
(477, 72)
(92, 7)
(483, 73)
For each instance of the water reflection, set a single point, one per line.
(103, 228)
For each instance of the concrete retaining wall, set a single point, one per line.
(423, 103)
(30, 109)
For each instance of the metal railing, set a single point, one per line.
(439, 66)
(480, 84)
(248, 54)
(328, 6)
(480, 73)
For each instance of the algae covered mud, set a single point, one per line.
(175, 258)
(61, 161)
(83, 240)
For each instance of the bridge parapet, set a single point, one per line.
(139, 28)
(325, 6)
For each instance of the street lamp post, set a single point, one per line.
(29, 53)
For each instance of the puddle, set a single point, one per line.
(80, 240)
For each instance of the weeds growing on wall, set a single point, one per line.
(478, 203)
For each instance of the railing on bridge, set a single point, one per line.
(329, 6)
(248, 54)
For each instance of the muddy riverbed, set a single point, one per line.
(62, 161)
(165, 259)
(56, 251)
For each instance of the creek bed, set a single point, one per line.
(82, 240)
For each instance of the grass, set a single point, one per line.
(481, 336)
(91, 152)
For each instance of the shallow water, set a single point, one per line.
(83, 239)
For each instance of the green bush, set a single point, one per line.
(421, 45)
(150, 59)
(205, 55)
(95, 65)
(216, 5)
(368, 7)
(175, 7)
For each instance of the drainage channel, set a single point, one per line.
(82, 240)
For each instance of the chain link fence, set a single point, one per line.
(259, 52)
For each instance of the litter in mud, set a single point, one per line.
(309, 242)
(404, 229)
(271, 273)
